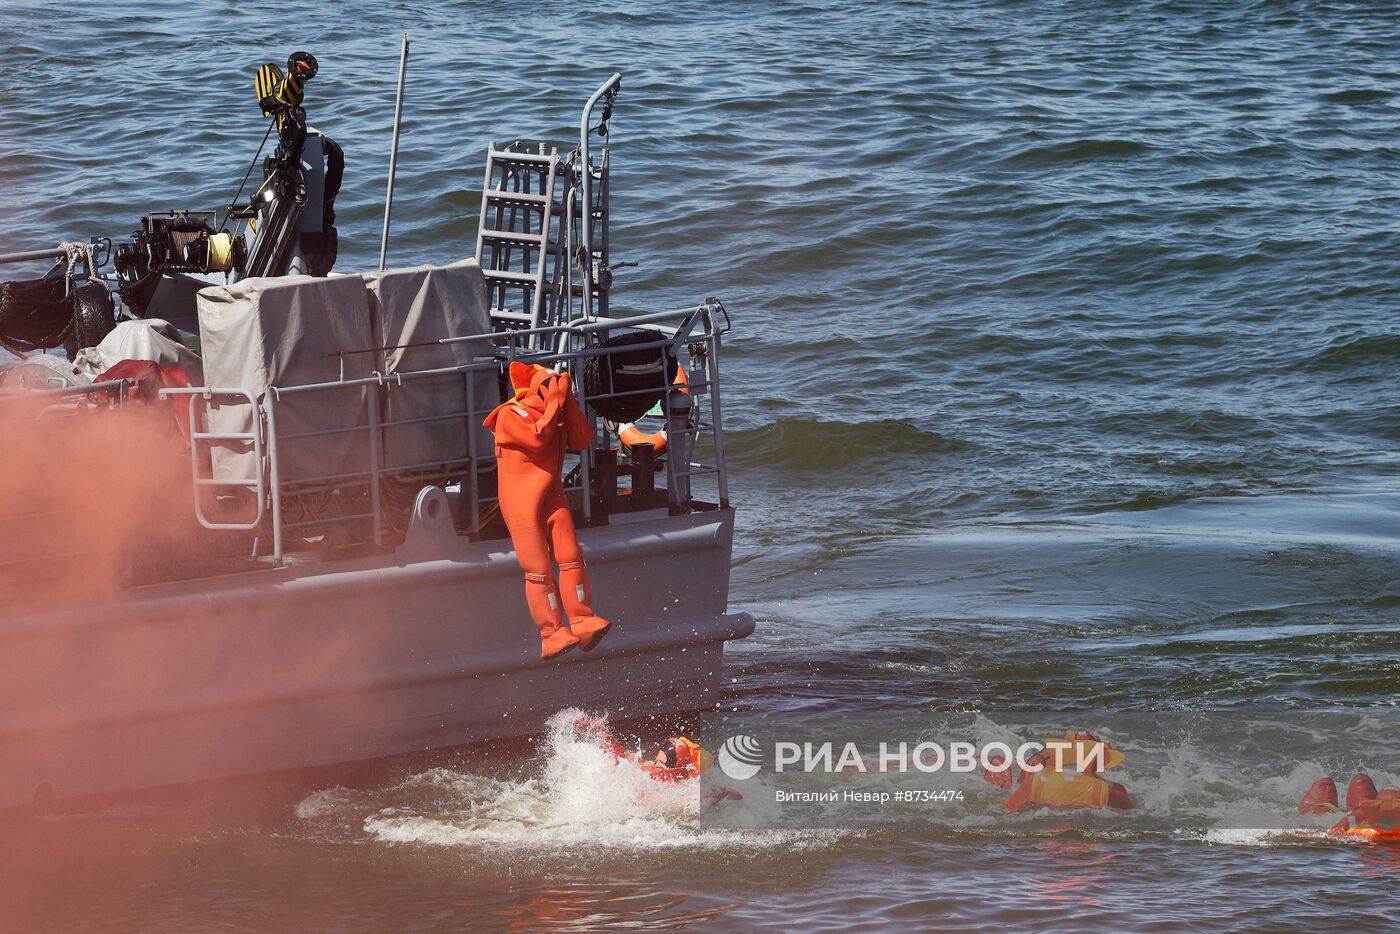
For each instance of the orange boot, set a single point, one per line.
(1361, 790)
(578, 600)
(1320, 799)
(555, 637)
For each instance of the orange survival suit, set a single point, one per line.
(532, 431)
(679, 759)
(1053, 788)
(1370, 813)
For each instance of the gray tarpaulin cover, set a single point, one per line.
(148, 339)
(422, 305)
(283, 332)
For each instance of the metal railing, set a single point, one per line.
(201, 442)
(279, 513)
(359, 497)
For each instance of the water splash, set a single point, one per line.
(575, 795)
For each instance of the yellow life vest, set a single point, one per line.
(1060, 790)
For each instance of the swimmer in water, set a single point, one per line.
(1074, 785)
(678, 759)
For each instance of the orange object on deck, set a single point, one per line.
(532, 432)
(629, 434)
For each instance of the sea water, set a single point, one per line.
(1063, 376)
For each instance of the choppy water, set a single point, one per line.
(1064, 376)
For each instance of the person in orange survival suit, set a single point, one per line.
(1053, 788)
(679, 758)
(532, 431)
(1370, 813)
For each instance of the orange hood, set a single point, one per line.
(544, 402)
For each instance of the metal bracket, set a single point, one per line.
(431, 535)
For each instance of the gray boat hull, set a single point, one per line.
(348, 661)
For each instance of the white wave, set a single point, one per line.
(579, 797)
(323, 802)
(1263, 836)
(1244, 836)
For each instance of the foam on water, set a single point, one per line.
(574, 796)
(1246, 836)
(577, 795)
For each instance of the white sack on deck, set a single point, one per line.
(422, 305)
(284, 331)
(148, 339)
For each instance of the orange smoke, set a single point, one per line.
(87, 491)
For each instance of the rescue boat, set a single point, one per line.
(319, 574)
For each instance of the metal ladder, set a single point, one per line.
(519, 240)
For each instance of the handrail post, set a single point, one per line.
(472, 465)
(584, 131)
(375, 467)
(585, 458)
(716, 428)
(275, 471)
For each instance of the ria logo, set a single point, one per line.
(740, 757)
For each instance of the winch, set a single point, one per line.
(272, 233)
